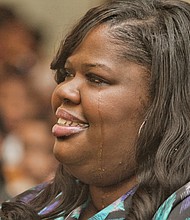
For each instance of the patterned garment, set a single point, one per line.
(117, 210)
(176, 207)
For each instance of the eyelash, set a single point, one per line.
(62, 74)
(92, 78)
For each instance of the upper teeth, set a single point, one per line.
(71, 123)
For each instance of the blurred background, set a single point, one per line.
(30, 33)
(52, 18)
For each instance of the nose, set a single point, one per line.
(67, 92)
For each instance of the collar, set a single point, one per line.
(116, 210)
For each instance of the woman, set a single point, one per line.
(123, 117)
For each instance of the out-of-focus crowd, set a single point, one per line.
(26, 118)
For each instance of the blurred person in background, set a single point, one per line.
(25, 92)
(37, 163)
(21, 53)
(17, 104)
(17, 44)
(17, 100)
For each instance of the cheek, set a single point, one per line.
(92, 106)
(120, 120)
(118, 110)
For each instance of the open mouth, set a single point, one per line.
(65, 128)
(67, 123)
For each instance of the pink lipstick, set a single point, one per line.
(68, 124)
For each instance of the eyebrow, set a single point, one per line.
(91, 65)
(99, 65)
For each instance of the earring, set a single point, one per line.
(141, 127)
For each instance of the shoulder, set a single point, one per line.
(176, 207)
(30, 194)
(181, 209)
(21, 204)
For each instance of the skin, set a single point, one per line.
(38, 162)
(103, 154)
(10, 88)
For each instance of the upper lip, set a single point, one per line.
(61, 113)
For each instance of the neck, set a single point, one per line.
(104, 196)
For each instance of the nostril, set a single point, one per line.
(65, 100)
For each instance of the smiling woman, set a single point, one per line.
(123, 117)
(92, 88)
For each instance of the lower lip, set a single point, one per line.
(65, 131)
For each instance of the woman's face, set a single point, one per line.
(99, 108)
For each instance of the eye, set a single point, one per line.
(62, 74)
(93, 78)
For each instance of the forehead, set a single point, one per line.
(97, 44)
(99, 47)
